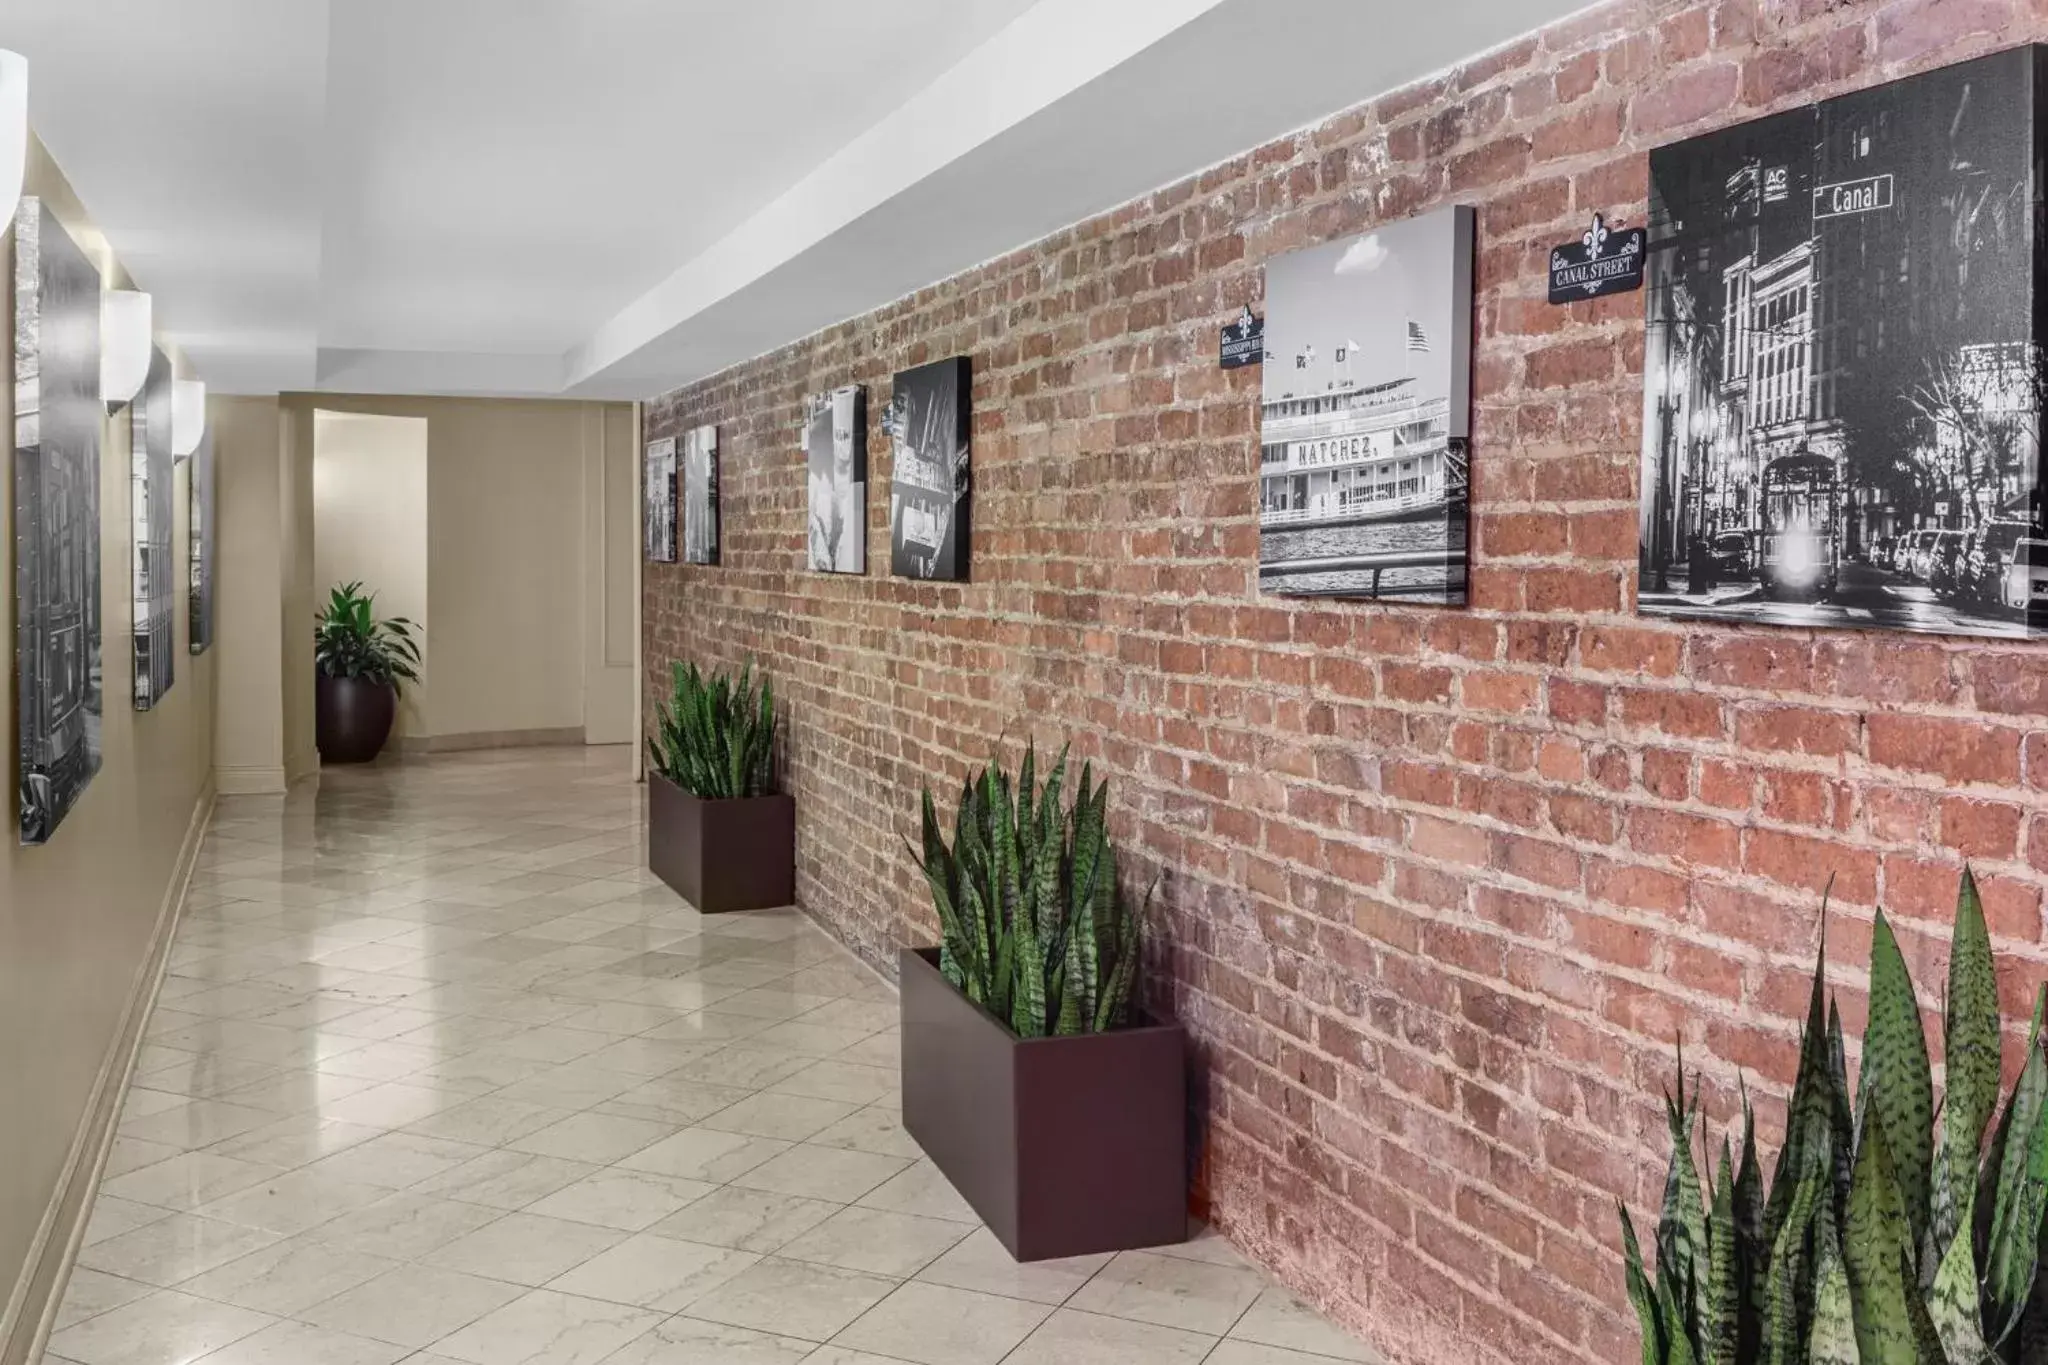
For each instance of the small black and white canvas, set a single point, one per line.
(150, 510)
(928, 419)
(199, 550)
(836, 449)
(660, 494)
(57, 421)
(1365, 426)
(1843, 365)
(700, 495)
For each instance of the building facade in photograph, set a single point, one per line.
(700, 495)
(1842, 369)
(1363, 427)
(57, 419)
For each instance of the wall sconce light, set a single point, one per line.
(124, 345)
(188, 416)
(13, 131)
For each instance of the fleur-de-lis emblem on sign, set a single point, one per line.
(1595, 238)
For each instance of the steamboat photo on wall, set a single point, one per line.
(928, 419)
(836, 450)
(1366, 421)
(1842, 373)
(57, 421)
(700, 495)
(660, 495)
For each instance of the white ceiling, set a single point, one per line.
(608, 198)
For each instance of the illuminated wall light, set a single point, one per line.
(188, 416)
(124, 344)
(13, 130)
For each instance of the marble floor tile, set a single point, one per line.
(525, 1248)
(287, 1277)
(656, 1272)
(1277, 1319)
(1170, 1292)
(929, 1324)
(413, 1306)
(1071, 1337)
(815, 1302)
(442, 1075)
(631, 1201)
(548, 1328)
(683, 1340)
(874, 1240)
(166, 1328)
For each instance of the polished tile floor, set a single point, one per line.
(439, 1074)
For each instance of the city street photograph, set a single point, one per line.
(1842, 380)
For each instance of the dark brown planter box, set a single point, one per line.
(1064, 1146)
(722, 855)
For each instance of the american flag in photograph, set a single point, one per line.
(1418, 340)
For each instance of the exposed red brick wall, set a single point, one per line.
(1440, 887)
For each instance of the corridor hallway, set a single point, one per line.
(440, 1074)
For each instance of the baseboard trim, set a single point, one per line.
(31, 1314)
(490, 739)
(250, 780)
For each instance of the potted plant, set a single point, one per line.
(1029, 1078)
(1893, 1229)
(359, 662)
(717, 830)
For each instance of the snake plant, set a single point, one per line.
(717, 735)
(1893, 1233)
(1033, 925)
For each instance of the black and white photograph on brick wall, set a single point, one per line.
(199, 547)
(59, 688)
(928, 421)
(700, 495)
(836, 450)
(1842, 370)
(660, 495)
(1365, 423)
(150, 511)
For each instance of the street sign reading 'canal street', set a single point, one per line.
(1603, 261)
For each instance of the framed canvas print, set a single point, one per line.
(150, 511)
(199, 551)
(700, 495)
(57, 420)
(1366, 415)
(836, 451)
(1842, 371)
(660, 494)
(928, 420)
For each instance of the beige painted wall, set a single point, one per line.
(532, 546)
(295, 602)
(80, 916)
(248, 749)
(370, 524)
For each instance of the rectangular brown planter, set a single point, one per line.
(722, 855)
(1064, 1146)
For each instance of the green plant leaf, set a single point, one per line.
(2021, 1194)
(1640, 1294)
(1953, 1300)
(1721, 1306)
(1752, 1254)
(1877, 1248)
(1897, 1081)
(1970, 1052)
(1833, 1337)
(1789, 1284)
